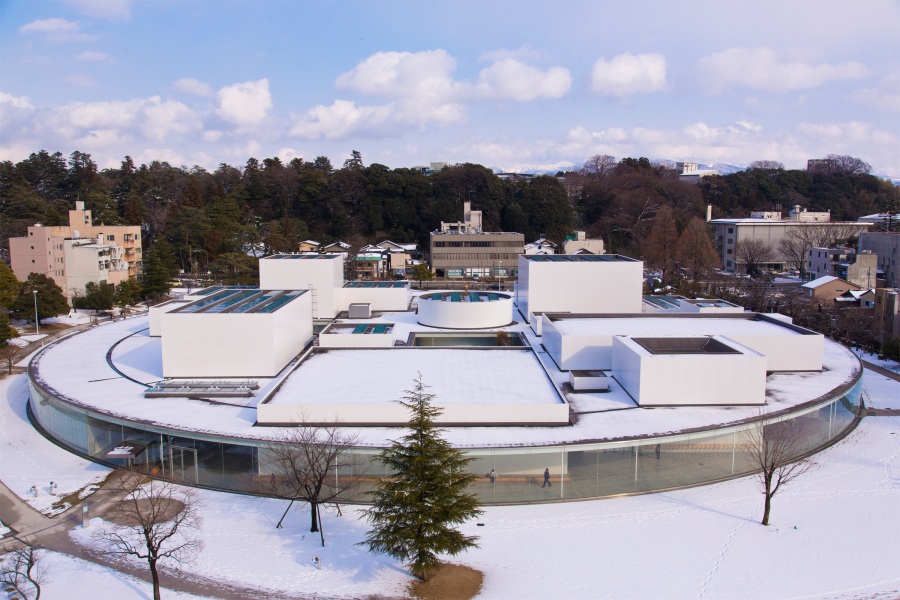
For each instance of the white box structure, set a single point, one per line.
(357, 335)
(381, 296)
(579, 283)
(236, 333)
(321, 274)
(691, 371)
(585, 342)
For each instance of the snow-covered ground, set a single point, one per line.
(884, 363)
(834, 535)
(66, 574)
(28, 459)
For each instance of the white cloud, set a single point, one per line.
(841, 133)
(18, 102)
(628, 74)
(55, 25)
(421, 91)
(402, 74)
(759, 68)
(884, 95)
(90, 55)
(113, 122)
(509, 79)
(104, 9)
(212, 135)
(525, 52)
(245, 104)
(56, 30)
(161, 119)
(193, 86)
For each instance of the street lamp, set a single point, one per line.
(37, 324)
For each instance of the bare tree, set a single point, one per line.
(695, 250)
(659, 245)
(770, 165)
(798, 241)
(848, 165)
(157, 521)
(599, 166)
(23, 570)
(753, 253)
(305, 464)
(776, 450)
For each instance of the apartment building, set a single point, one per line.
(462, 249)
(75, 254)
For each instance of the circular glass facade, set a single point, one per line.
(578, 471)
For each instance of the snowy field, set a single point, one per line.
(834, 535)
(884, 363)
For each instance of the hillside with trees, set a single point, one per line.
(223, 220)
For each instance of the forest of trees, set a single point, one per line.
(217, 221)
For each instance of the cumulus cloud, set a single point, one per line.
(193, 86)
(56, 30)
(628, 74)
(245, 104)
(510, 79)
(759, 68)
(420, 90)
(17, 102)
(104, 9)
(112, 122)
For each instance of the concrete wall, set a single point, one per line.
(157, 311)
(689, 379)
(585, 287)
(328, 339)
(235, 345)
(324, 275)
(378, 299)
(466, 315)
(393, 414)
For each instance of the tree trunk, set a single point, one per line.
(767, 509)
(314, 515)
(154, 575)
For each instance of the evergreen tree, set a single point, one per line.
(9, 286)
(50, 298)
(414, 513)
(159, 268)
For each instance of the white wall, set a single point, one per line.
(225, 345)
(788, 352)
(582, 287)
(360, 340)
(157, 311)
(324, 274)
(689, 379)
(378, 299)
(393, 414)
(466, 315)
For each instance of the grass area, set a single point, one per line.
(449, 582)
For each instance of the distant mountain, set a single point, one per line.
(723, 168)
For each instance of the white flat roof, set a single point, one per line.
(473, 376)
(667, 326)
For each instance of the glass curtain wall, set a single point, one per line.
(574, 471)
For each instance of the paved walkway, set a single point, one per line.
(29, 525)
(881, 370)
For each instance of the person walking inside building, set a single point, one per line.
(493, 476)
(546, 479)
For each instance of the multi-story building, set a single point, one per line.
(885, 245)
(770, 229)
(860, 268)
(886, 321)
(462, 249)
(78, 253)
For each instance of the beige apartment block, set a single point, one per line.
(78, 253)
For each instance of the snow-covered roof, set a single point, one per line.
(820, 281)
(77, 370)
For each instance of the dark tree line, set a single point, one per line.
(197, 220)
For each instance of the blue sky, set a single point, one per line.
(510, 85)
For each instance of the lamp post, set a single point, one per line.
(37, 324)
